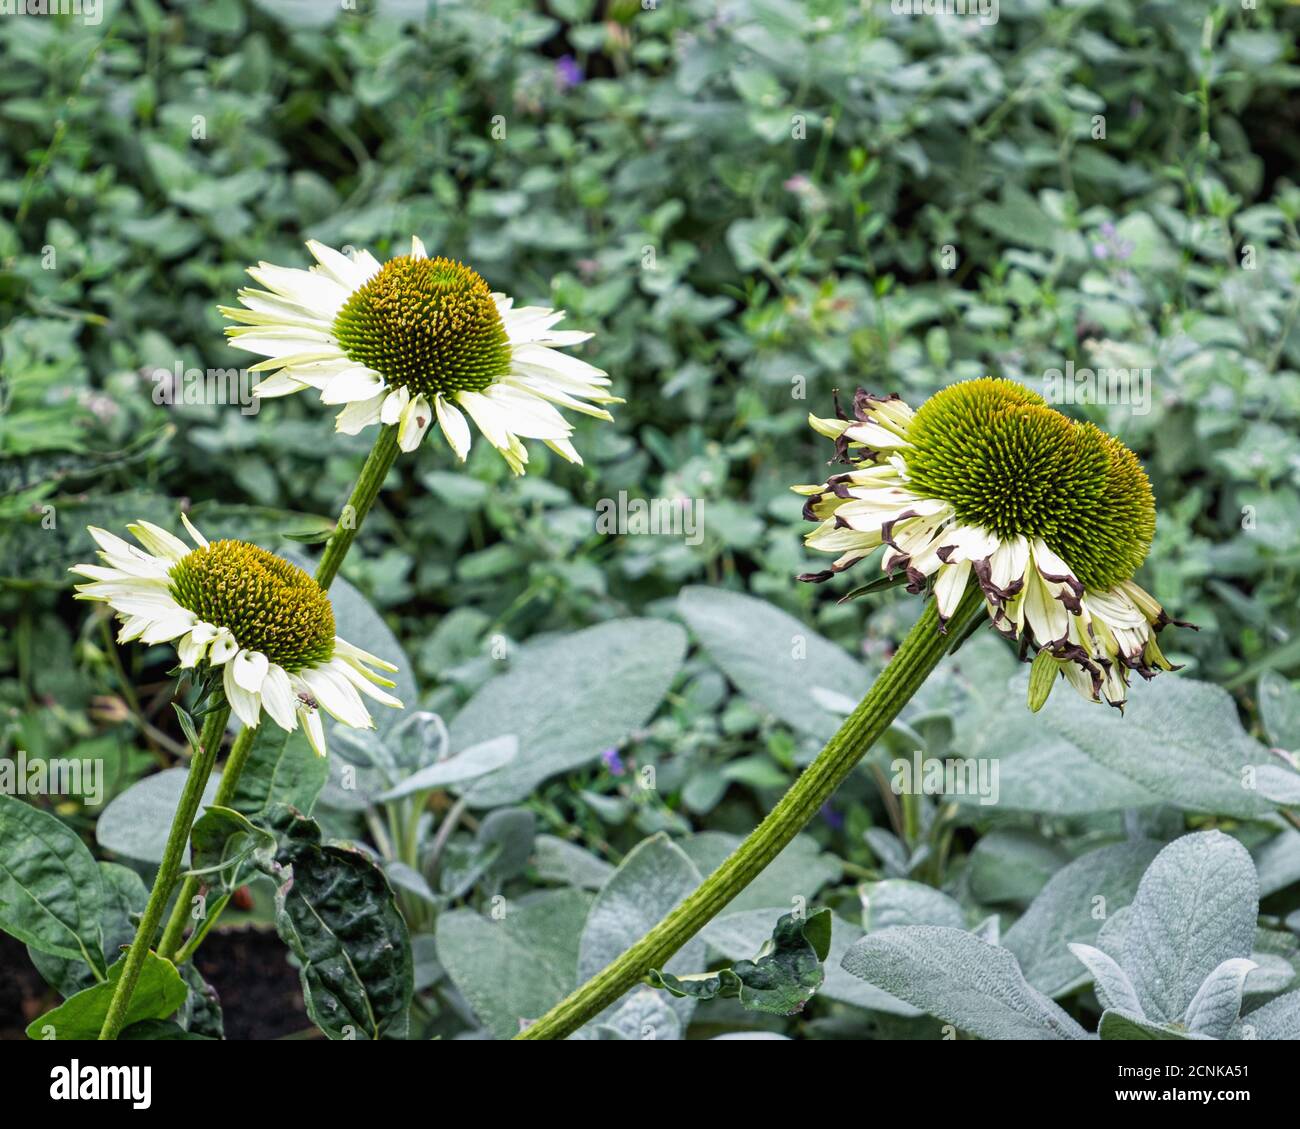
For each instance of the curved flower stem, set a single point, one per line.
(915, 658)
(205, 756)
(370, 481)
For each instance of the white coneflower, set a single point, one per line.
(232, 605)
(415, 340)
(1050, 517)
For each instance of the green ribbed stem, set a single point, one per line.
(918, 655)
(371, 480)
(369, 483)
(205, 756)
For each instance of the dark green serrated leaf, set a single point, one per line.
(337, 914)
(780, 980)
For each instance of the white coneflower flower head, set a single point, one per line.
(234, 607)
(987, 483)
(417, 341)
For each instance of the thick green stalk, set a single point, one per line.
(205, 756)
(370, 481)
(918, 655)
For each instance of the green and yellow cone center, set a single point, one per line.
(268, 604)
(1007, 461)
(429, 325)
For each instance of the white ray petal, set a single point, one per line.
(453, 426)
(244, 704)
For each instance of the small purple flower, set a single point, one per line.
(1111, 246)
(567, 72)
(613, 761)
(832, 817)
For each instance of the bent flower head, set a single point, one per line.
(987, 483)
(266, 623)
(413, 341)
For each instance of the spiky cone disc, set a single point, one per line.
(414, 341)
(985, 482)
(232, 606)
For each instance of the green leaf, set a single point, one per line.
(1042, 677)
(753, 241)
(734, 935)
(335, 911)
(161, 1029)
(957, 978)
(880, 584)
(474, 762)
(772, 658)
(51, 894)
(564, 715)
(513, 967)
(1011, 867)
(187, 724)
(1279, 709)
(1073, 906)
(125, 895)
(1196, 907)
(780, 980)
(282, 768)
(1277, 1019)
(1179, 739)
(1122, 1025)
(159, 992)
(200, 1015)
(135, 823)
(222, 842)
(1039, 770)
(653, 878)
(557, 860)
(900, 901)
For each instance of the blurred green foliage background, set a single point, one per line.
(751, 203)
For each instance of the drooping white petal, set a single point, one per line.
(394, 405)
(416, 417)
(278, 698)
(351, 386)
(250, 669)
(167, 629)
(194, 645)
(453, 426)
(311, 725)
(337, 696)
(224, 647)
(244, 704)
(357, 415)
(949, 586)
